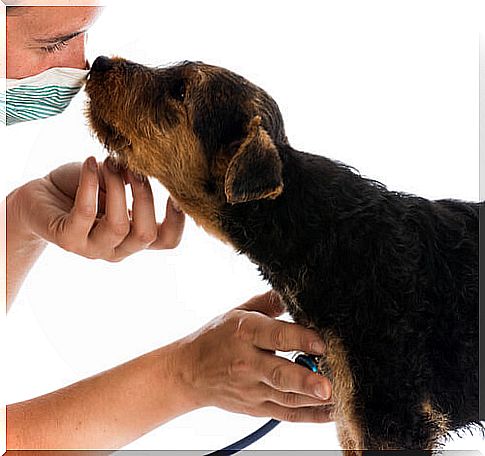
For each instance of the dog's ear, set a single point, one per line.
(255, 171)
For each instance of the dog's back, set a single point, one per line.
(452, 286)
(393, 278)
(389, 280)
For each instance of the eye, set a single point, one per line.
(56, 47)
(178, 90)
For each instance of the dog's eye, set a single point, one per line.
(177, 91)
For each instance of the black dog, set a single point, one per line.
(389, 280)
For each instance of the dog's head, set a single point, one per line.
(207, 134)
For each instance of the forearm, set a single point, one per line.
(22, 247)
(106, 411)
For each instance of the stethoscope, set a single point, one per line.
(308, 361)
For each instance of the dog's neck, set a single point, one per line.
(287, 229)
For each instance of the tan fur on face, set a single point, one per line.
(155, 137)
(171, 154)
(175, 159)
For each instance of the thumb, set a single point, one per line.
(269, 303)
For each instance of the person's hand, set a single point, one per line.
(82, 208)
(230, 363)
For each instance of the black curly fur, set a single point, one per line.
(394, 275)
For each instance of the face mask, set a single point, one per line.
(38, 97)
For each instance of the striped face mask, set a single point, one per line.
(38, 97)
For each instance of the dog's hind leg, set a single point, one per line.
(383, 416)
(416, 429)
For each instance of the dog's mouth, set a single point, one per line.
(116, 144)
(114, 141)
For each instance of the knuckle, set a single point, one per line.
(308, 383)
(146, 237)
(292, 416)
(237, 367)
(277, 337)
(243, 331)
(86, 210)
(291, 399)
(276, 377)
(119, 229)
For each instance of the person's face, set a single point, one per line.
(43, 37)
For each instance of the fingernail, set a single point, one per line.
(136, 178)
(317, 347)
(112, 166)
(175, 205)
(92, 164)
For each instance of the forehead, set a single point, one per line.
(207, 73)
(43, 22)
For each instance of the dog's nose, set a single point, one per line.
(102, 64)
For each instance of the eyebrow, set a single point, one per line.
(59, 38)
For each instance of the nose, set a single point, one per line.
(102, 64)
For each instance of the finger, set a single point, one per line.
(283, 375)
(66, 178)
(169, 233)
(144, 225)
(270, 334)
(113, 228)
(289, 399)
(269, 303)
(321, 414)
(83, 214)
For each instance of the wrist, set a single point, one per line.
(175, 374)
(18, 210)
(22, 246)
(181, 364)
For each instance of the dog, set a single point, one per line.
(389, 280)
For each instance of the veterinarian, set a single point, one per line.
(228, 363)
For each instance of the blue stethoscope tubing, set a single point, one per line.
(308, 361)
(246, 441)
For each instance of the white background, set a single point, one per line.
(390, 88)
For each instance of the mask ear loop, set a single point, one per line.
(308, 361)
